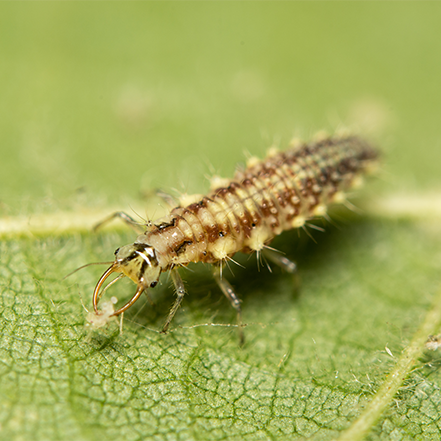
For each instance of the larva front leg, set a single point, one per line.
(125, 218)
(180, 293)
(229, 293)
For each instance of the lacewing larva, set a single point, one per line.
(278, 193)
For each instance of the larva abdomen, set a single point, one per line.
(278, 193)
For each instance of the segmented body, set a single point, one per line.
(278, 193)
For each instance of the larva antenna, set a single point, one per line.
(85, 266)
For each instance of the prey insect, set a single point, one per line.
(281, 192)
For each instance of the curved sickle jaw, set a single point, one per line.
(96, 293)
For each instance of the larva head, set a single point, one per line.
(138, 262)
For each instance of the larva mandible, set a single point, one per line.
(244, 214)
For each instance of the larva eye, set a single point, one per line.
(153, 284)
(116, 251)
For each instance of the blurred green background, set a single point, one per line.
(100, 103)
(114, 98)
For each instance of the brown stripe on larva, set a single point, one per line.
(278, 193)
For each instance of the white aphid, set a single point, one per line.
(104, 317)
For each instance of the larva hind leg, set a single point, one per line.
(284, 263)
(229, 293)
(280, 260)
(125, 218)
(180, 293)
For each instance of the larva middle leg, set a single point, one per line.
(180, 293)
(230, 294)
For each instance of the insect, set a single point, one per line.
(280, 192)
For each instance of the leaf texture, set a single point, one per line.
(101, 103)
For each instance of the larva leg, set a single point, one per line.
(180, 293)
(228, 290)
(280, 260)
(125, 217)
(167, 198)
(286, 265)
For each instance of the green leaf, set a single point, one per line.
(104, 102)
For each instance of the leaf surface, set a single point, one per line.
(103, 103)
